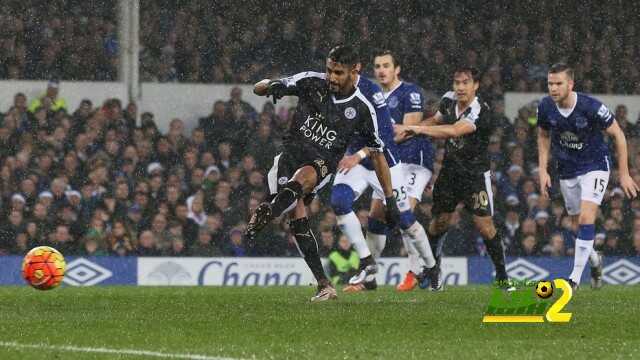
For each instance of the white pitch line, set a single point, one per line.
(100, 350)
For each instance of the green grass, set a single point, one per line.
(279, 323)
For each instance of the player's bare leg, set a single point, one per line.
(584, 242)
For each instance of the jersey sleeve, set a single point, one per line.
(543, 120)
(302, 82)
(413, 101)
(603, 116)
(472, 114)
(373, 120)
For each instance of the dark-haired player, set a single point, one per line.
(334, 108)
(571, 124)
(409, 178)
(465, 122)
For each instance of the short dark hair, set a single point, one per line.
(465, 69)
(344, 54)
(561, 67)
(385, 52)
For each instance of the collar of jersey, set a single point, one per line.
(386, 94)
(564, 111)
(342, 101)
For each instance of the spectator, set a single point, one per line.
(50, 96)
(555, 246)
(147, 244)
(343, 262)
(204, 245)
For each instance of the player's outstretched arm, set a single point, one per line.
(348, 162)
(260, 88)
(458, 129)
(626, 182)
(401, 132)
(267, 87)
(544, 146)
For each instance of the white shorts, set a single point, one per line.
(360, 178)
(588, 187)
(417, 177)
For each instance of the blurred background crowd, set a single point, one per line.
(92, 180)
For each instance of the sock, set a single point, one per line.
(286, 199)
(376, 236)
(308, 247)
(594, 259)
(584, 247)
(350, 226)
(496, 251)
(415, 264)
(417, 238)
(436, 243)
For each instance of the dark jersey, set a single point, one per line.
(323, 126)
(469, 152)
(576, 134)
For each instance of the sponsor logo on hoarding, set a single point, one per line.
(522, 269)
(82, 272)
(622, 272)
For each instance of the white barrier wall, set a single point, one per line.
(166, 101)
(514, 101)
(72, 91)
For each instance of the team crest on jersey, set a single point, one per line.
(283, 180)
(378, 98)
(414, 97)
(581, 122)
(350, 113)
(392, 102)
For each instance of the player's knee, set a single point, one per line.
(407, 219)
(376, 226)
(439, 225)
(487, 231)
(342, 197)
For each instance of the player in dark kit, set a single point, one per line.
(466, 123)
(332, 111)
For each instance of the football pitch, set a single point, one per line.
(279, 323)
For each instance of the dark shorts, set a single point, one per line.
(286, 165)
(453, 187)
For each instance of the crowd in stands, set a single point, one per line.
(229, 42)
(92, 181)
(65, 39)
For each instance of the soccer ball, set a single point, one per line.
(544, 289)
(43, 268)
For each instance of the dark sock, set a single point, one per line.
(289, 194)
(496, 251)
(309, 247)
(436, 242)
(366, 261)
